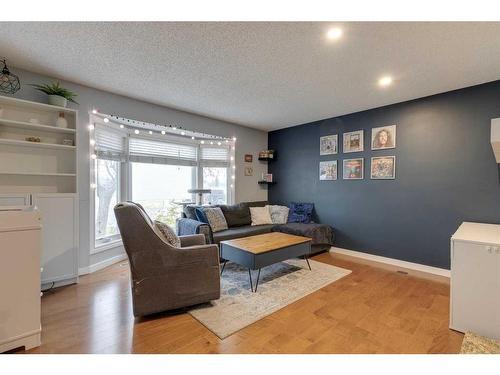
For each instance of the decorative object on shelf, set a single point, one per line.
(248, 171)
(33, 139)
(34, 121)
(248, 158)
(328, 145)
(384, 137)
(353, 141)
(61, 121)
(267, 177)
(199, 194)
(58, 95)
(383, 168)
(67, 142)
(9, 83)
(266, 155)
(328, 170)
(353, 169)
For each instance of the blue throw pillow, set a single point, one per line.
(300, 212)
(200, 215)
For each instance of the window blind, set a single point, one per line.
(150, 151)
(109, 144)
(214, 156)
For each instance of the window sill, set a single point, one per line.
(106, 246)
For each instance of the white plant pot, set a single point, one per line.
(58, 100)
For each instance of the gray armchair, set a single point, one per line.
(164, 277)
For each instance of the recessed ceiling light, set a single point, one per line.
(385, 81)
(334, 33)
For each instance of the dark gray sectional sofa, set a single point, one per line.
(239, 225)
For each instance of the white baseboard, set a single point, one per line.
(394, 262)
(100, 265)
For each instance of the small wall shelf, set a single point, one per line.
(267, 159)
(267, 182)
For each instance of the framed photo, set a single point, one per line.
(353, 141)
(383, 168)
(384, 137)
(328, 170)
(248, 171)
(328, 145)
(248, 158)
(353, 169)
(268, 177)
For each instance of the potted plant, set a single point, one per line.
(57, 95)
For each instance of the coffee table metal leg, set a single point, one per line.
(307, 260)
(257, 282)
(224, 265)
(250, 274)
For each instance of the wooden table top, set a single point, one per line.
(263, 243)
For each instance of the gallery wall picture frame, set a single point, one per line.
(328, 170)
(353, 169)
(328, 144)
(353, 141)
(248, 171)
(384, 137)
(383, 168)
(248, 158)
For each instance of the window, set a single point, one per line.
(159, 188)
(106, 197)
(154, 171)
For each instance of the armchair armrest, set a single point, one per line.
(192, 240)
(208, 254)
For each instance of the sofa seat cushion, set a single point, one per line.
(239, 232)
(321, 234)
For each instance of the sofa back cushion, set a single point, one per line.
(236, 215)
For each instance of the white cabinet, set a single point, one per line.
(20, 234)
(475, 279)
(59, 236)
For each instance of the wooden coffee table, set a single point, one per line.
(263, 250)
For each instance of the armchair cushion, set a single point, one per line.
(192, 240)
(167, 234)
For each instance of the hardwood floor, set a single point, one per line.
(373, 310)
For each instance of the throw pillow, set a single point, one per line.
(167, 234)
(215, 218)
(200, 215)
(260, 215)
(300, 212)
(279, 214)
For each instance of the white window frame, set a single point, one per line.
(125, 185)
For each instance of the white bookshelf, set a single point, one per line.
(48, 166)
(43, 174)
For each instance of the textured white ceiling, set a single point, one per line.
(265, 75)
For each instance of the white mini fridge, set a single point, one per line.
(20, 239)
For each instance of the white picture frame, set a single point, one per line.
(329, 144)
(383, 137)
(353, 141)
(353, 169)
(383, 168)
(328, 170)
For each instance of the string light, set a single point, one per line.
(192, 138)
(174, 128)
(91, 127)
(94, 111)
(122, 126)
(202, 142)
(150, 132)
(93, 186)
(163, 132)
(183, 133)
(106, 120)
(136, 131)
(92, 142)
(93, 156)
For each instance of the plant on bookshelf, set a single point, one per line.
(58, 95)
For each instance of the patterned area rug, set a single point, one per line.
(475, 344)
(279, 285)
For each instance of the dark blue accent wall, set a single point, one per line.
(445, 174)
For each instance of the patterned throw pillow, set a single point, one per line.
(279, 214)
(167, 233)
(215, 218)
(300, 212)
(260, 215)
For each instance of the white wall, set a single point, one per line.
(249, 141)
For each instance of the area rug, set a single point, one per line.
(475, 344)
(279, 285)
